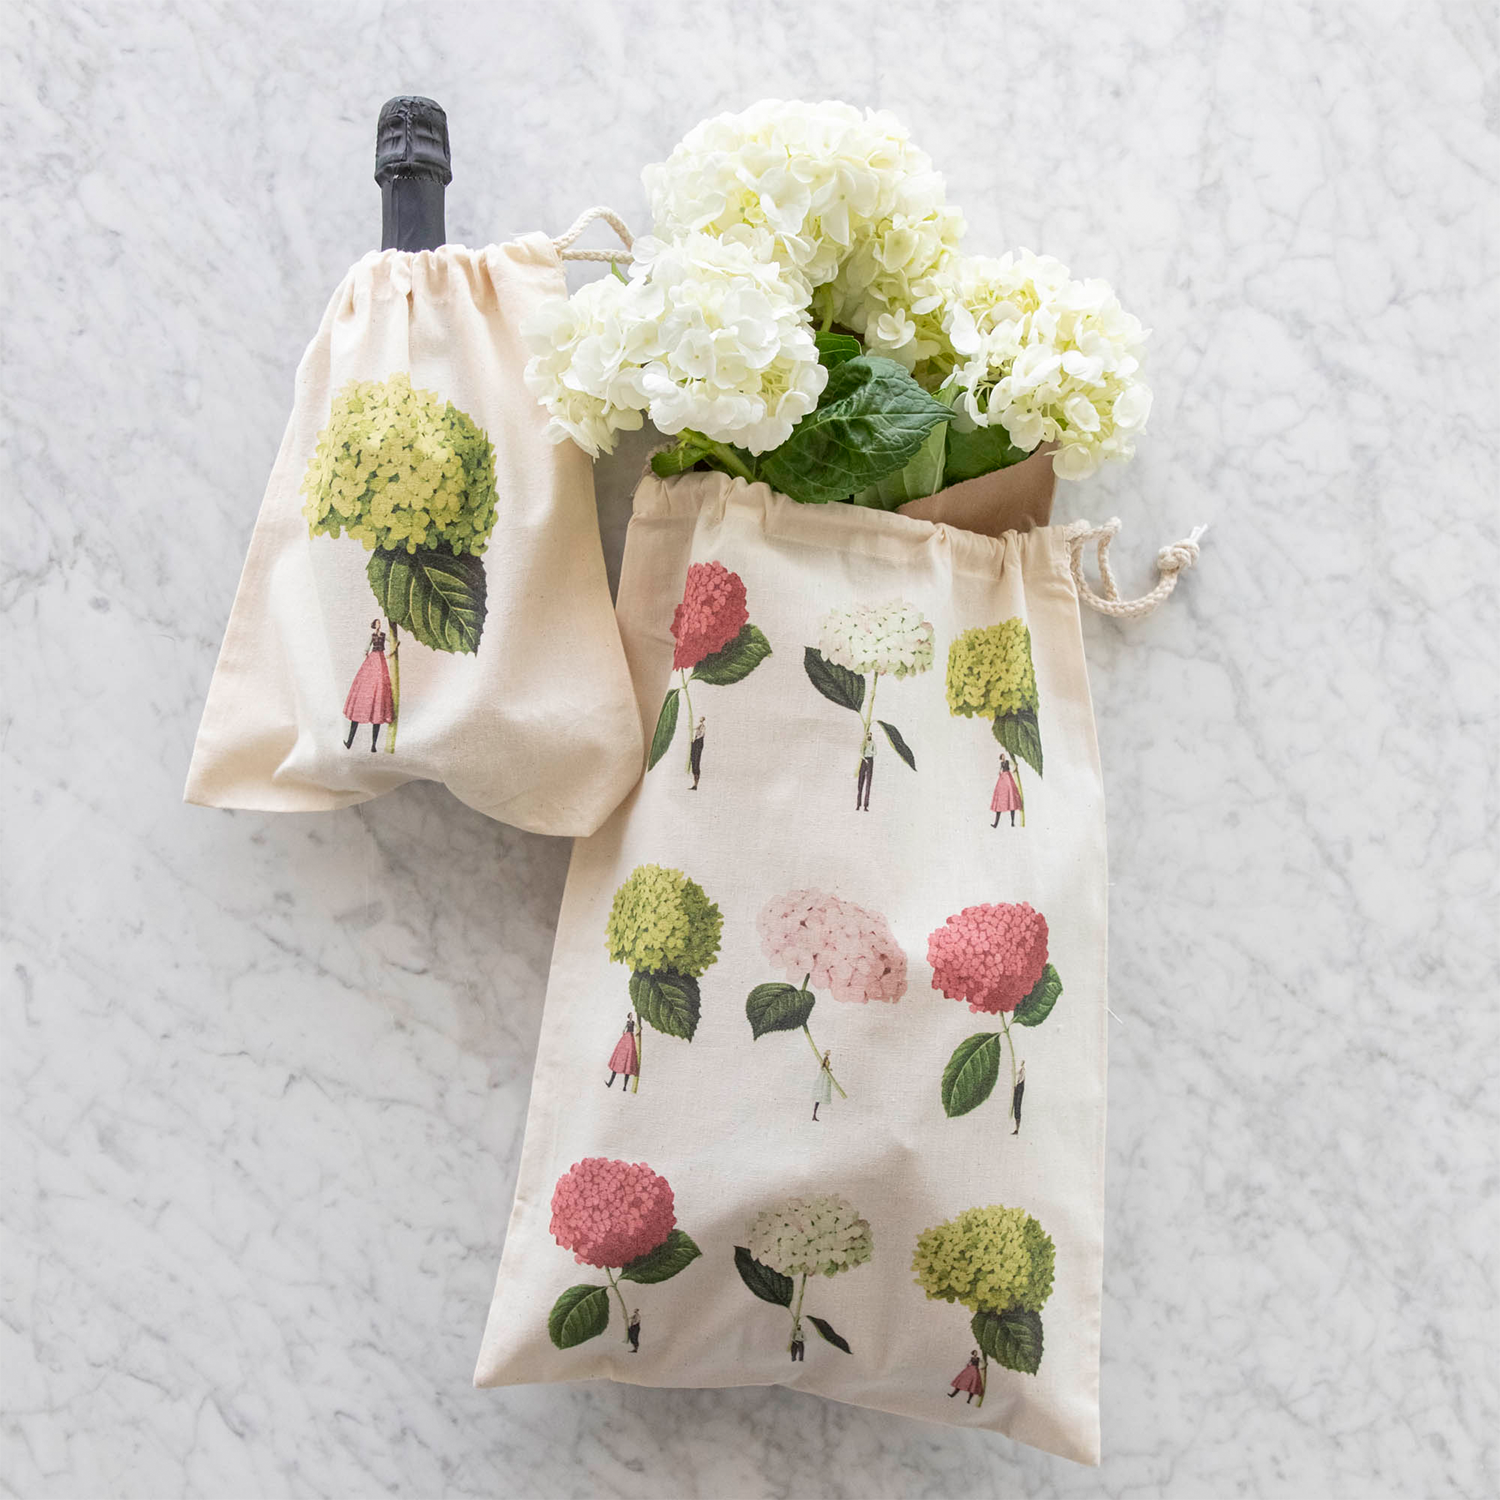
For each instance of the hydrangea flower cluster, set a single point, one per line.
(848, 951)
(989, 1259)
(892, 639)
(713, 611)
(400, 468)
(662, 922)
(836, 196)
(609, 1213)
(705, 335)
(989, 955)
(822, 1235)
(1051, 359)
(990, 673)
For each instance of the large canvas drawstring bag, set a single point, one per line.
(819, 1097)
(425, 596)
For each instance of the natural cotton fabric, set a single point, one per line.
(524, 711)
(681, 1219)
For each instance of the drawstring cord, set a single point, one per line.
(1170, 561)
(614, 257)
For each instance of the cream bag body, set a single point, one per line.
(819, 1098)
(424, 596)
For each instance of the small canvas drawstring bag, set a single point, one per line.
(424, 596)
(819, 1096)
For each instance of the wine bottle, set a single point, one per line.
(413, 167)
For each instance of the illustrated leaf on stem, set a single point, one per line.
(666, 727)
(438, 596)
(1037, 1006)
(582, 1312)
(1019, 734)
(898, 744)
(1013, 1337)
(837, 684)
(768, 1285)
(870, 420)
(737, 660)
(674, 1254)
(826, 1329)
(669, 1002)
(777, 1007)
(969, 1079)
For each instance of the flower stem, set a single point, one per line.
(797, 1312)
(729, 460)
(806, 1031)
(687, 698)
(984, 1375)
(1010, 1042)
(624, 1311)
(390, 739)
(640, 1051)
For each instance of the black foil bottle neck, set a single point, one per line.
(413, 168)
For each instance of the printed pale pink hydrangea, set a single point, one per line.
(989, 955)
(713, 611)
(849, 952)
(609, 1213)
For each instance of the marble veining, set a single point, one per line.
(265, 1076)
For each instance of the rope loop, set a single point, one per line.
(1170, 561)
(614, 257)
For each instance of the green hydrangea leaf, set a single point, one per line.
(669, 1002)
(922, 475)
(837, 684)
(837, 348)
(870, 421)
(1013, 1338)
(666, 727)
(674, 1254)
(826, 1329)
(969, 1079)
(982, 451)
(438, 596)
(777, 1007)
(898, 744)
(1037, 1006)
(768, 1285)
(581, 1313)
(737, 660)
(1019, 734)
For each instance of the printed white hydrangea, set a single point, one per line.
(1048, 358)
(892, 638)
(810, 1236)
(704, 335)
(838, 196)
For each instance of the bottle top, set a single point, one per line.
(411, 140)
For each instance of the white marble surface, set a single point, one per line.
(265, 1077)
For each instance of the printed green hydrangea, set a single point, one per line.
(662, 921)
(990, 672)
(400, 468)
(990, 1259)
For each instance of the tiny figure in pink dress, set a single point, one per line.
(970, 1379)
(370, 701)
(625, 1060)
(1007, 796)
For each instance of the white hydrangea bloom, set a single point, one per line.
(837, 195)
(809, 1236)
(704, 335)
(1049, 358)
(890, 638)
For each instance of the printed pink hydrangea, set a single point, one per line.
(849, 952)
(609, 1213)
(711, 614)
(990, 955)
